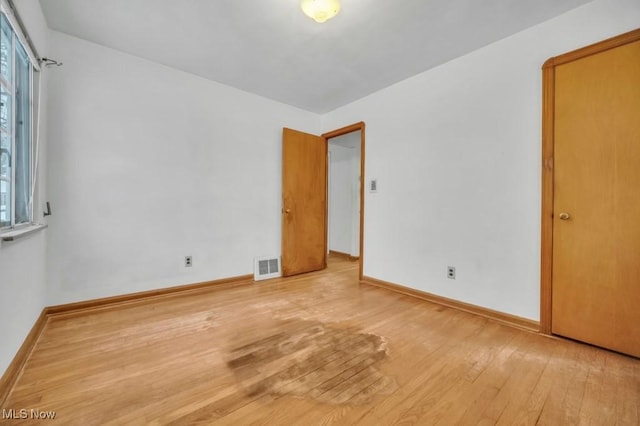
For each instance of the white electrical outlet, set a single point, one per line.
(188, 261)
(451, 272)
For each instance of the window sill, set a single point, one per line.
(22, 232)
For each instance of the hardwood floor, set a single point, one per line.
(314, 349)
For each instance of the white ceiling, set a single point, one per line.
(270, 48)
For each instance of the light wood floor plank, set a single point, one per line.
(314, 349)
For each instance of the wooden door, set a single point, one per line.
(596, 199)
(304, 202)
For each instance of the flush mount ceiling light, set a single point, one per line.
(320, 10)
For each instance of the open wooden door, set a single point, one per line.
(304, 202)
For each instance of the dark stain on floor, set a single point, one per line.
(310, 359)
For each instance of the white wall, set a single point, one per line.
(340, 203)
(456, 151)
(23, 262)
(150, 164)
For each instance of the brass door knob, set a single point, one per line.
(286, 211)
(564, 216)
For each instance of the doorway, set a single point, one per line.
(590, 274)
(305, 212)
(348, 144)
(343, 230)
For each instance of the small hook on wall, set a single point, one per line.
(50, 62)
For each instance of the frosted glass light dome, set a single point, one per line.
(320, 10)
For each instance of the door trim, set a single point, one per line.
(548, 127)
(339, 132)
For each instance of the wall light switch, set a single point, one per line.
(373, 185)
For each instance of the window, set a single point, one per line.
(16, 130)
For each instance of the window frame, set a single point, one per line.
(18, 36)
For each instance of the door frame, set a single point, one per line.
(332, 134)
(548, 141)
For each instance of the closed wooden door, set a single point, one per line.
(596, 206)
(304, 202)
